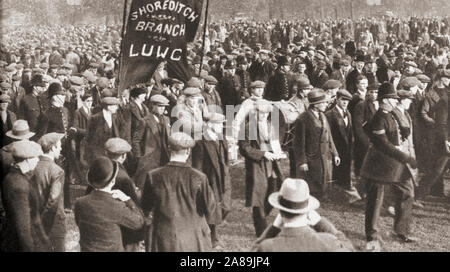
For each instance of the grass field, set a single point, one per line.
(430, 225)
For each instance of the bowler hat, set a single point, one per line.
(294, 197)
(282, 61)
(387, 90)
(102, 171)
(20, 131)
(240, 60)
(360, 58)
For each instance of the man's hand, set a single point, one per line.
(304, 167)
(118, 194)
(337, 161)
(270, 156)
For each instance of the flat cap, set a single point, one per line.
(159, 100)
(403, 94)
(93, 65)
(180, 141)
(27, 70)
(411, 63)
(26, 150)
(117, 146)
(191, 91)
(423, 78)
(110, 101)
(5, 85)
(4, 98)
(257, 84)
(67, 66)
(344, 94)
(194, 82)
(44, 65)
(54, 66)
(75, 80)
(102, 82)
(50, 139)
(10, 69)
(332, 84)
(210, 80)
(61, 72)
(409, 82)
(16, 78)
(38, 71)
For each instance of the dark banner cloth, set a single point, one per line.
(156, 31)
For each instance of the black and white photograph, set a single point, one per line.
(224, 126)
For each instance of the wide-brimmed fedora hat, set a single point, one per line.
(102, 171)
(294, 197)
(20, 131)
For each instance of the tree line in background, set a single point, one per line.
(110, 11)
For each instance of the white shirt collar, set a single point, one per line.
(296, 222)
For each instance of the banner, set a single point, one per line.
(156, 31)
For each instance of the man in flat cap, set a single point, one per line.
(7, 119)
(435, 114)
(105, 212)
(117, 150)
(210, 155)
(102, 126)
(24, 231)
(331, 88)
(191, 112)
(340, 121)
(49, 179)
(262, 68)
(180, 220)
(150, 140)
(319, 75)
(244, 76)
(32, 104)
(211, 95)
(16, 94)
(257, 144)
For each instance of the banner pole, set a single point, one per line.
(124, 23)
(204, 38)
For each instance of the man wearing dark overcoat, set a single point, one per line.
(351, 81)
(117, 150)
(7, 119)
(32, 104)
(102, 214)
(24, 231)
(49, 181)
(314, 147)
(180, 201)
(210, 156)
(150, 141)
(278, 86)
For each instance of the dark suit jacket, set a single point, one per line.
(5, 127)
(351, 81)
(31, 108)
(343, 140)
(126, 185)
(230, 90)
(24, 231)
(137, 115)
(150, 145)
(363, 112)
(49, 181)
(100, 217)
(98, 133)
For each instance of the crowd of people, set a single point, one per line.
(369, 115)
